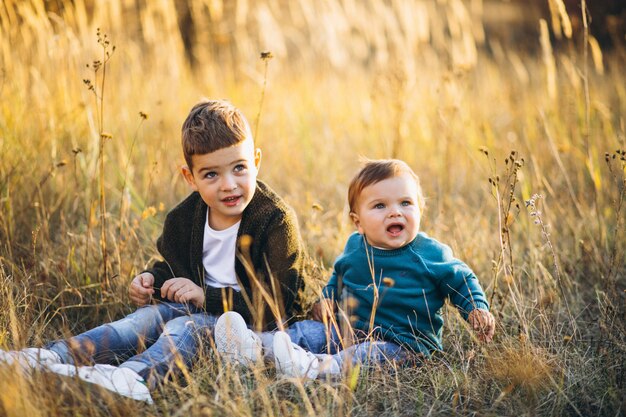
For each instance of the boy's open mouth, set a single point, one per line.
(395, 229)
(230, 200)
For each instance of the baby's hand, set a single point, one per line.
(183, 290)
(322, 310)
(483, 323)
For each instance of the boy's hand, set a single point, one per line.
(183, 290)
(483, 323)
(141, 290)
(323, 310)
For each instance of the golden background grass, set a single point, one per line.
(430, 82)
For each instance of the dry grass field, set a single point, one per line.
(520, 145)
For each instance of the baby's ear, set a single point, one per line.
(356, 221)
(188, 176)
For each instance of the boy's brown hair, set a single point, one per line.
(212, 125)
(377, 170)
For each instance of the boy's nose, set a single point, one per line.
(228, 184)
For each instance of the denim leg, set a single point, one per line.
(114, 342)
(371, 353)
(313, 336)
(179, 343)
(309, 334)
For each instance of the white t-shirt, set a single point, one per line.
(218, 256)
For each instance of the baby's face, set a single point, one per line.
(388, 213)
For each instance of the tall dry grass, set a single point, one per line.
(420, 80)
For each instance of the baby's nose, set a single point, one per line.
(395, 212)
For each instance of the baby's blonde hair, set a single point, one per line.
(376, 170)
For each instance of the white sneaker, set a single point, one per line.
(328, 365)
(292, 360)
(30, 358)
(122, 381)
(64, 369)
(234, 341)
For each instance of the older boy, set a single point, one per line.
(222, 246)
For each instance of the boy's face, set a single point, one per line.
(387, 212)
(226, 180)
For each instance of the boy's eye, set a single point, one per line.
(406, 203)
(210, 174)
(239, 168)
(379, 206)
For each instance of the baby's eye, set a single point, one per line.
(210, 175)
(239, 168)
(406, 203)
(379, 206)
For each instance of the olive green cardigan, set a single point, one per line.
(269, 248)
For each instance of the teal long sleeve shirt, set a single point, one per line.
(421, 275)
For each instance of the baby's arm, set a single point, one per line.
(483, 323)
(460, 283)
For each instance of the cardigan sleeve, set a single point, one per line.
(175, 246)
(283, 263)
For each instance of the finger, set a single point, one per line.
(184, 292)
(473, 320)
(169, 288)
(182, 289)
(165, 287)
(185, 295)
(171, 292)
(138, 301)
(143, 292)
(492, 328)
(145, 281)
(178, 294)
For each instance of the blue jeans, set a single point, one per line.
(313, 336)
(150, 341)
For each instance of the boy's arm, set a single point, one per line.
(174, 245)
(283, 263)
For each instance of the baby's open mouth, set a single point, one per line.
(395, 229)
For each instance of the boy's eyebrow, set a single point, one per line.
(211, 168)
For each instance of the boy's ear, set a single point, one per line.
(356, 221)
(257, 158)
(188, 176)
